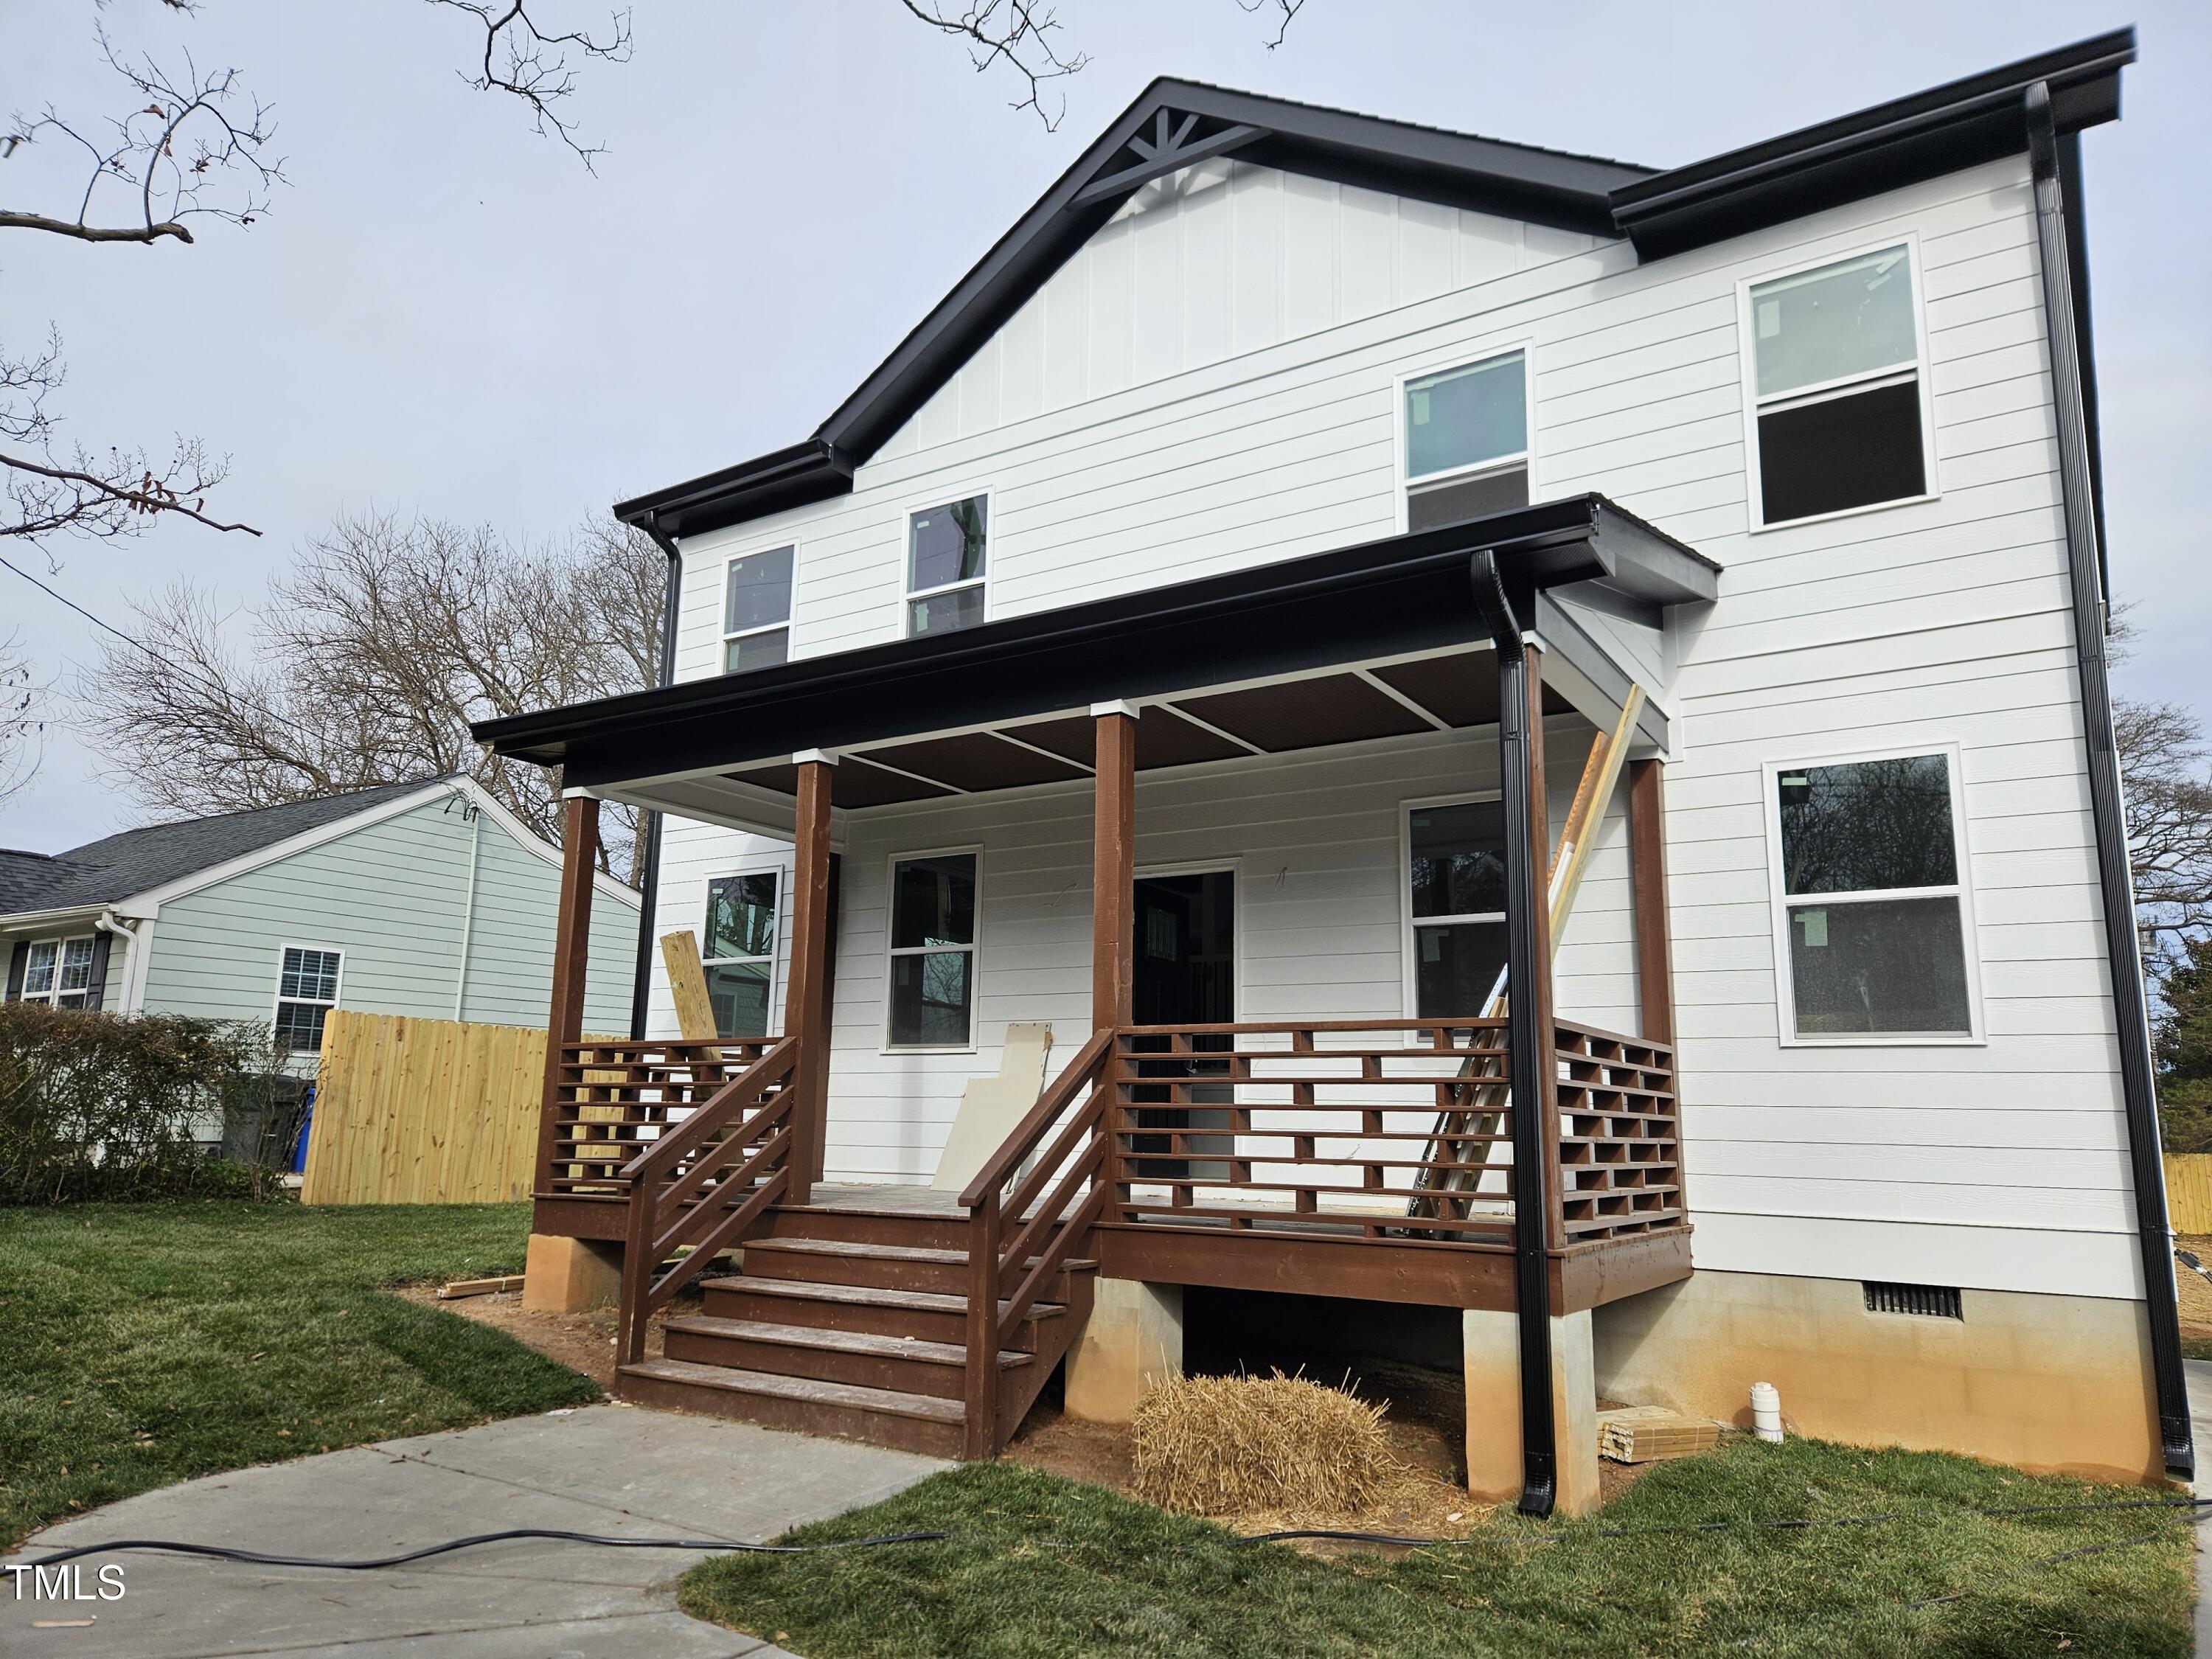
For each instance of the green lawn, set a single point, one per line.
(145, 1344)
(1041, 1565)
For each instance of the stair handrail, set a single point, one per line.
(652, 1189)
(1046, 1238)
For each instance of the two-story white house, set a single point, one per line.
(1313, 570)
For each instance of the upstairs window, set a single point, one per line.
(756, 611)
(59, 972)
(306, 991)
(1466, 442)
(738, 952)
(1456, 882)
(932, 951)
(1872, 906)
(1837, 388)
(945, 548)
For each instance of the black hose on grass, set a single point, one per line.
(255, 1558)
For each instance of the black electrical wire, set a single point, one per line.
(220, 1552)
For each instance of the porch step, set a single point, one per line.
(927, 1314)
(883, 1417)
(915, 1226)
(885, 1266)
(906, 1365)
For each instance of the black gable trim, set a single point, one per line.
(1944, 129)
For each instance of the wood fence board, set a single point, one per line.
(423, 1111)
(2189, 1192)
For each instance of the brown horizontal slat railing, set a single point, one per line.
(1620, 1144)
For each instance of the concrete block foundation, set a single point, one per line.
(569, 1275)
(1133, 1341)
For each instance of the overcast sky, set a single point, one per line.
(444, 314)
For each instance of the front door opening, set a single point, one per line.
(1186, 975)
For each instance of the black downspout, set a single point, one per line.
(2130, 1013)
(648, 873)
(1524, 1047)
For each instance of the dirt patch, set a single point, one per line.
(582, 1341)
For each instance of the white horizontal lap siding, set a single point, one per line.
(511, 938)
(1316, 840)
(693, 853)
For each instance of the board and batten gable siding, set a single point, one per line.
(1998, 1166)
(392, 894)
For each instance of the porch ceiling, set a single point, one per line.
(1366, 643)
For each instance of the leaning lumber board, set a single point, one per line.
(686, 984)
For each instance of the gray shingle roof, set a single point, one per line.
(116, 866)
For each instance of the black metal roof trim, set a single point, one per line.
(1943, 129)
(1400, 593)
(813, 471)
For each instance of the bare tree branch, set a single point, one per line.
(21, 723)
(535, 68)
(369, 661)
(96, 504)
(1290, 9)
(1017, 33)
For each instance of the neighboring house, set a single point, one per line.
(1141, 647)
(428, 899)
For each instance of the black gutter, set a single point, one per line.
(2130, 1007)
(1525, 1057)
(648, 873)
(796, 475)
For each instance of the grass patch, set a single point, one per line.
(145, 1344)
(2196, 1347)
(1040, 1565)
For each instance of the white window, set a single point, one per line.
(945, 549)
(1464, 436)
(1454, 863)
(1873, 915)
(933, 950)
(757, 611)
(307, 990)
(739, 951)
(1837, 388)
(59, 972)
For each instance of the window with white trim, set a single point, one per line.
(757, 611)
(58, 971)
(945, 549)
(1837, 394)
(1873, 902)
(738, 951)
(1455, 892)
(306, 991)
(932, 951)
(1467, 441)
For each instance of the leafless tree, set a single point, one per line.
(20, 723)
(525, 61)
(2165, 767)
(368, 661)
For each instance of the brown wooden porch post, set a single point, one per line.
(1114, 869)
(806, 995)
(572, 949)
(1655, 942)
(1539, 1005)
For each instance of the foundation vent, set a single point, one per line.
(1927, 1301)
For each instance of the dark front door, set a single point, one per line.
(1186, 975)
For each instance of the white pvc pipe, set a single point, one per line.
(1766, 1412)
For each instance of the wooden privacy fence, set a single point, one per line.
(424, 1111)
(2189, 1192)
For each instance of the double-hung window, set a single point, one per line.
(945, 549)
(757, 611)
(59, 971)
(739, 951)
(1838, 390)
(1455, 887)
(932, 951)
(1872, 907)
(1466, 440)
(306, 991)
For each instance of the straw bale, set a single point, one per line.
(1238, 1445)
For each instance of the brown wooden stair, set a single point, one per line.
(853, 1322)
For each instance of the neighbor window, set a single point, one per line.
(756, 611)
(932, 951)
(945, 552)
(59, 971)
(1466, 442)
(1872, 900)
(739, 952)
(1455, 883)
(307, 990)
(1836, 375)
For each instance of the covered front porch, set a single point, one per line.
(1350, 1110)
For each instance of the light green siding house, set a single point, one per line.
(428, 899)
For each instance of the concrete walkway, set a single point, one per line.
(601, 1468)
(2199, 1373)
